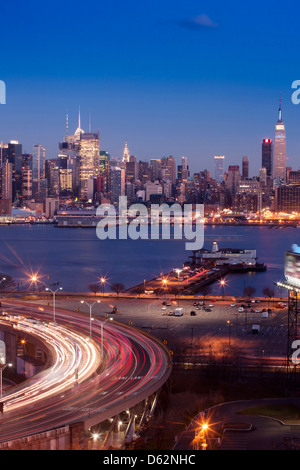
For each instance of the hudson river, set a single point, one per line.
(75, 257)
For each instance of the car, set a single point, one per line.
(195, 304)
(210, 306)
(198, 308)
(241, 309)
(164, 308)
(257, 310)
(170, 314)
(168, 304)
(232, 305)
(193, 314)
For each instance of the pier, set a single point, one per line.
(203, 268)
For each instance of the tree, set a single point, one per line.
(6, 282)
(269, 293)
(94, 288)
(249, 291)
(118, 287)
(205, 290)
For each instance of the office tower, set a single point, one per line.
(219, 168)
(287, 198)
(263, 176)
(126, 153)
(233, 178)
(280, 148)
(144, 171)
(52, 176)
(168, 169)
(184, 169)
(27, 183)
(267, 156)
(155, 165)
(89, 160)
(245, 167)
(13, 153)
(131, 169)
(116, 184)
(250, 187)
(104, 161)
(7, 180)
(38, 162)
(153, 188)
(294, 177)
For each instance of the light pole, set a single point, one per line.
(90, 307)
(229, 327)
(103, 282)
(102, 324)
(2, 280)
(53, 292)
(2, 367)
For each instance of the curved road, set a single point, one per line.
(79, 385)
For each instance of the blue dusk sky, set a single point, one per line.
(190, 78)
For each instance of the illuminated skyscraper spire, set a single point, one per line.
(79, 131)
(280, 148)
(280, 112)
(126, 153)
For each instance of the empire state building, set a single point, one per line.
(280, 148)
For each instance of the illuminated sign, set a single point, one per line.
(296, 249)
(292, 268)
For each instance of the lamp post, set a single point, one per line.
(102, 324)
(229, 328)
(90, 307)
(222, 284)
(103, 282)
(53, 292)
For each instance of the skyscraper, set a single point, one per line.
(126, 153)
(267, 157)
(280, 148)
(245, 167)
(89, 159)
(117, 184)
(219, 168)
(38, 162)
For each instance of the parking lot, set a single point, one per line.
(215, 324)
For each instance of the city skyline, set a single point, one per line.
(207, 162)
(181, 80)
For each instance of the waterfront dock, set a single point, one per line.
(203, 268)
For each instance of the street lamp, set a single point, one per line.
(90, 307)
(229, 328)
(102, 324)
(103, 282)
(3, 279)
(53, 292)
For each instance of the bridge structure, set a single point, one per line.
(98, 387)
